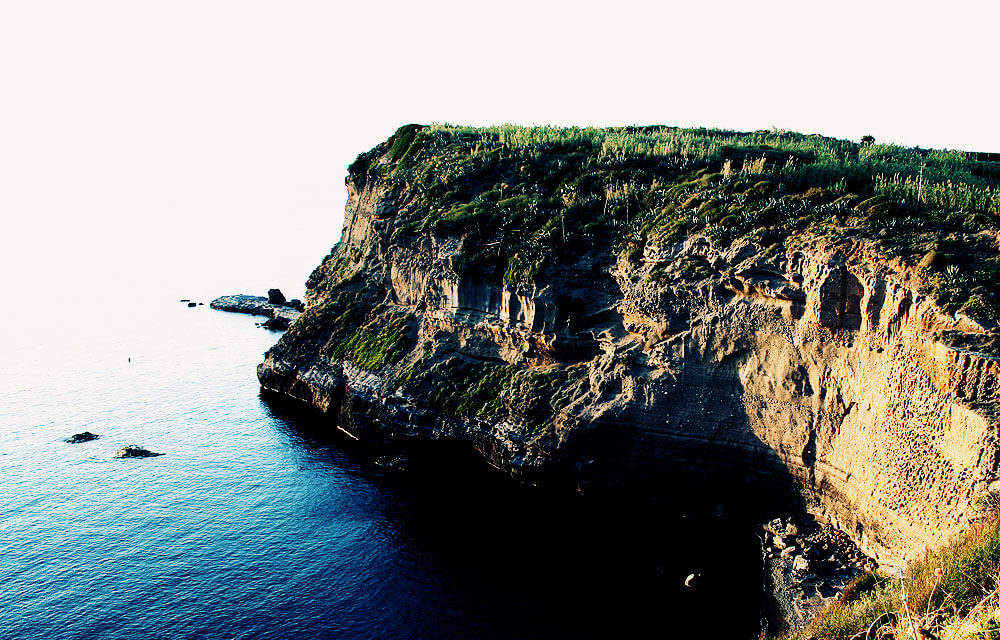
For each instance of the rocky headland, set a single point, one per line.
(610, 310)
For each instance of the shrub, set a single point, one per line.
(730, 222)
(402, 139)
(930, 259)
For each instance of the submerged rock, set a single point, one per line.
(393, 463)
(135, 451)
(85, 436)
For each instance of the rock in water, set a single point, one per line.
(274, 296)
(86, 436)
(192, 304)
(279, 323)
(282, 314)
(394, 463)
(135, 451)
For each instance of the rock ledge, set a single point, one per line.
(280, 316)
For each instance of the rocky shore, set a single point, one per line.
(807, 564)
(280, 314)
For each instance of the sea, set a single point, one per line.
(261, 521)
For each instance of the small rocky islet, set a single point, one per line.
(128, 451)
(84, 436)
(135, 451)
(280, 313)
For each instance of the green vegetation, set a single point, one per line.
(528, 199)
(954, 589)
(373, 347)
(403, 139)
(494, 391)
(336, 269)
(349, 328)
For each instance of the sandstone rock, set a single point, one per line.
(801, 565)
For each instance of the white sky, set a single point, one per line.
(199, 147)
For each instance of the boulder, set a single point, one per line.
(296, 304)
(192, 304)
(274, 296)
(800, 564)
(135, 451)
(86, 436)
(279, 323)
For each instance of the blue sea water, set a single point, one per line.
(258, 522)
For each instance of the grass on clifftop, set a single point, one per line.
(528, 199)
(953, 593)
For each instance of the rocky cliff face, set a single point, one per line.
(815, 364)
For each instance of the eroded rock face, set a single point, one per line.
(816, 367)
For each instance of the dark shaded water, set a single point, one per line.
(260, 523)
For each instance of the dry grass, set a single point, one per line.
(952, 593)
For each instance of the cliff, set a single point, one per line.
(604, 308)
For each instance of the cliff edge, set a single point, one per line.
(602, 308)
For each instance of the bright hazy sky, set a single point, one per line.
(199, 147)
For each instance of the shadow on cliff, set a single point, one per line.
(690, 448)
(551, 565)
